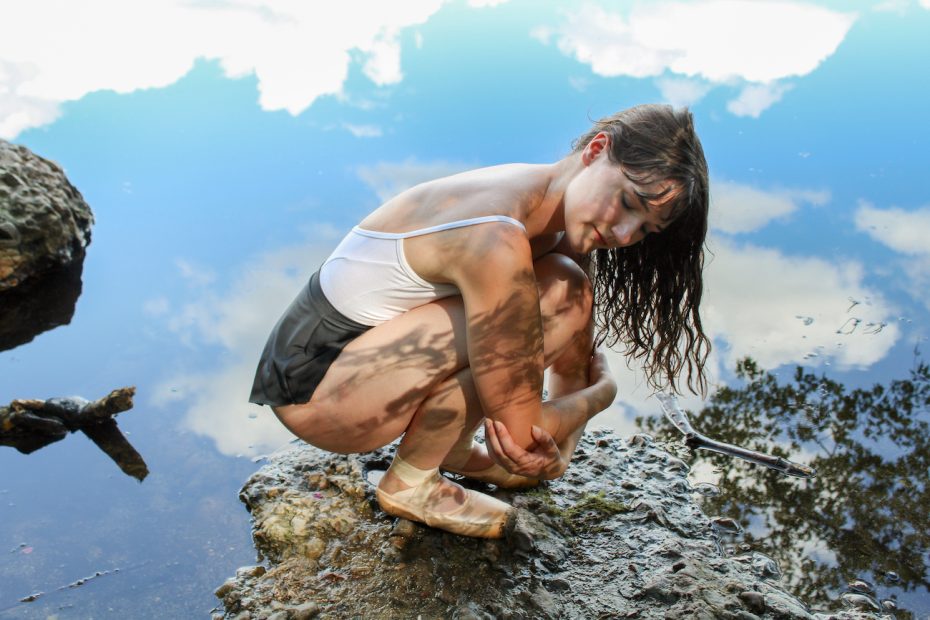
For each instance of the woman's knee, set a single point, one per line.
(564, 287)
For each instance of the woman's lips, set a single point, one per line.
(601, 238)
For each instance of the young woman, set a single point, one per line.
(443, 307)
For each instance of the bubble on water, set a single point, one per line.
(253, 415)
(892, 577)
(889, 605)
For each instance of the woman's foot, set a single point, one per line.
(477, 465)
(428, 497)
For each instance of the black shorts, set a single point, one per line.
(301, 348)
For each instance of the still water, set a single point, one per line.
(222, 174)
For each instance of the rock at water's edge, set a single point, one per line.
(617, 537)
(39, 304)
(44, 221)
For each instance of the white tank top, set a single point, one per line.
(367, 277)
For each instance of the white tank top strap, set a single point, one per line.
(431, 229)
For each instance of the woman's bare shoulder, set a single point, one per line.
(506, 189)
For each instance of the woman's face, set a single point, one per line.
(602, 207)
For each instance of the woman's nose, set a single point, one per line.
(627, 233)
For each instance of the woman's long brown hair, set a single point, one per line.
(647, 295)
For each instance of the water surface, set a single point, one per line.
(220, 178)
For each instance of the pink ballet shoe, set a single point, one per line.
(480, 515)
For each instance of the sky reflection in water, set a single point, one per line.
(222, 171)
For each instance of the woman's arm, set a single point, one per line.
(578, 382)
(546, 458)
(494, 272)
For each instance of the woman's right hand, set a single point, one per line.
(541, 460)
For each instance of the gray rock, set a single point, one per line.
(227, 587)
(304, 611)
(783, 606)
(585, 546)
(44, 221)
(860, 601)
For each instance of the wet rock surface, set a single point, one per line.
(44, 221)
(617, 537)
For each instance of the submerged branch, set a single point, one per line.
(695, 440)
(28, 425)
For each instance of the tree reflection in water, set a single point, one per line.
(868, 506)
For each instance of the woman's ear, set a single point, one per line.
(597, 146)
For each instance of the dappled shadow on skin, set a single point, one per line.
(869, 504)
(438, 356)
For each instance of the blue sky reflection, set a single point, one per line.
(225, 147)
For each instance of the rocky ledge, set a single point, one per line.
(44, 221)
(619, 536)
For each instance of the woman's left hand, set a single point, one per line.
(541, 460)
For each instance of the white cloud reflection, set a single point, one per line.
(363, 131)
(298, 51)
(718, 41)
(238, 321)
(754, 99)
(740, 208)
(782, 309)
(682, 91)
(905, 232)
(901, 230)
(777, 309)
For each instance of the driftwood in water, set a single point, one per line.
(28, 425)
(695, 440)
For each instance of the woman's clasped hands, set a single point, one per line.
(544, 458)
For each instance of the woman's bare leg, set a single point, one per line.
(372, 391)
(410, 375)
